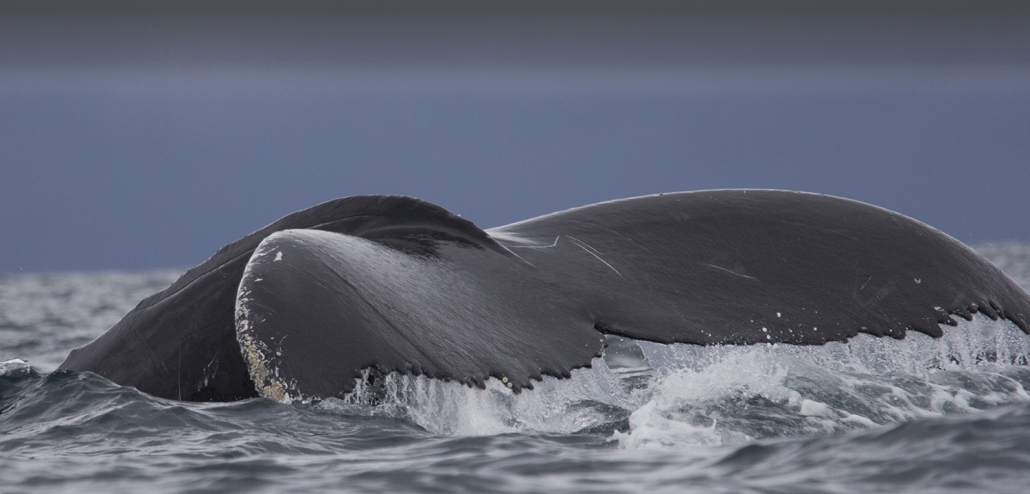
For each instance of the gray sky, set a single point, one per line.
(149, 139)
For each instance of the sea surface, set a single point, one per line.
(872, 415)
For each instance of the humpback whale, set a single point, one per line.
(305, 307)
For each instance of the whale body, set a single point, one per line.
(307, 306)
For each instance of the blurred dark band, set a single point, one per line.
(868, 7)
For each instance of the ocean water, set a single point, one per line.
(872, 415)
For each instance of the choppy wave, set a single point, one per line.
(75, 432)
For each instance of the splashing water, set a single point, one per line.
(648, 394)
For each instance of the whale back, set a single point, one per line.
(761, 266)
(351, 289)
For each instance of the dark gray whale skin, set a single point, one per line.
(300, 308)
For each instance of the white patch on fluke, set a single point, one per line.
(255, 352)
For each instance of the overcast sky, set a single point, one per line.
(143, 141)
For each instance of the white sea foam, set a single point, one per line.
(655, 395)
(838, 386)
(15, 368)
